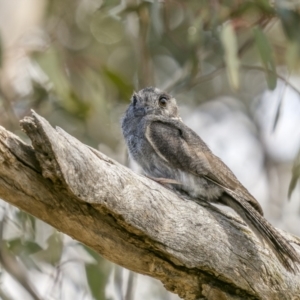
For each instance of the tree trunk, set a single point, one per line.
(197, 251)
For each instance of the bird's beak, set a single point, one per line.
(139, 112)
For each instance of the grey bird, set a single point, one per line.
(171, 153)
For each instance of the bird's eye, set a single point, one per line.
(162, 101)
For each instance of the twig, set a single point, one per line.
(262, 69)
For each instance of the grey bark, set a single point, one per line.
(195, 249)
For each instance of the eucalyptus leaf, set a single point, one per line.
(295, 175)
(230, 45)
(290, 20)
(266, 55)
(17, 246)
(97, 279)
(97, 274)
(52, 254)
(124, 87)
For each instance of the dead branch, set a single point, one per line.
(197, 251)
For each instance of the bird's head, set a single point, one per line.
(153, 101)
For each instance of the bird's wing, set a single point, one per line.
(182, 148)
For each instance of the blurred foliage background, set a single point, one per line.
(234, 67)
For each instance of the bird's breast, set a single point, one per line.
(154, 166)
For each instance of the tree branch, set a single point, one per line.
(197, 251)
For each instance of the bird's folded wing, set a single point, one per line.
(183, 149)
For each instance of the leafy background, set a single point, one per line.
(232, 65)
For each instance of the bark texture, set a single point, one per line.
(197, 251)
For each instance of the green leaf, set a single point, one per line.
(96, 280)
(265, 6)
(266, 55)
(292, 55)
(230, 45)
(278, 113)
(295, 175)
(52, 254)
(123, 85)
(290, 20)
(19, 246)
(97, 274)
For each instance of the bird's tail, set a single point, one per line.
(285, 252)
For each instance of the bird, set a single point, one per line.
(171, 153)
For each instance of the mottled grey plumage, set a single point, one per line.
(171, 152)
